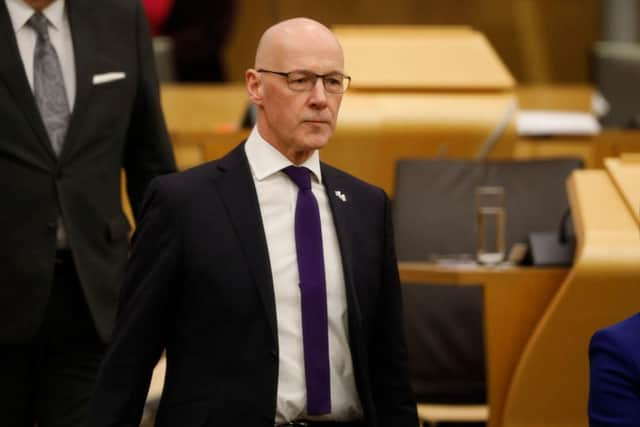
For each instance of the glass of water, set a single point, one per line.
(490, 221)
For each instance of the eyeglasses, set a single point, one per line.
(303, 80)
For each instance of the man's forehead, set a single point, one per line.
(299, 41)
(316, 57)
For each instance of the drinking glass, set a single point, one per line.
(490, 221)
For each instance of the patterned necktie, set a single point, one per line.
(48, 84)
(313, 292)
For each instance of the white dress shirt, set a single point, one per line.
(59, 34)
(277, 196)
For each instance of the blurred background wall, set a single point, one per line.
(541, 41)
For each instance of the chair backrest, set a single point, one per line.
(445, 342)
(434, 211)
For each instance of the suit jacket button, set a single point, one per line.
(52, 226)
(59, 174)
(274, 355)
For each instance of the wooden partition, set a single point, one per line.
(421, 58)
(412, 96)
(377, 129)
(550, 384)
(514, 301)
(625, 174)
(198, 115)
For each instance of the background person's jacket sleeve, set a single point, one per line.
(614, 391)
(145, 305)
(148, 151)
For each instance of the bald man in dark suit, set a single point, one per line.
(269, 277)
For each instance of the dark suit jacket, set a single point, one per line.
(114, 125)
(199, 284)
(614, 391)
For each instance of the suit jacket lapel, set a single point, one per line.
(341, 217)
(238, 193)
(12, 72)
(84, 49)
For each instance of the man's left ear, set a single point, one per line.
(254, 86)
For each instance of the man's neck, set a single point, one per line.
(39, 5)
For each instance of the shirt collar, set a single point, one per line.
(20, 12)
(265, 160)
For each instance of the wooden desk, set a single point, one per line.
(591, 149)
(202, 114)
(200, 111)
(514, 300)
(550, 384)
(625, 174)
(566, 97)
(374, 130)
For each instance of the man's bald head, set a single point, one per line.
(296, 113)
(289, 36)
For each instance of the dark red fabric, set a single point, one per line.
(157, 13)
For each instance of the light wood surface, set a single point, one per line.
(202, 110)
(452, 413)
(565, 97)
(550, 384)
(625, 141)
(592, 149)
(376, 129)
(514, 301)
(420, 57)
(202, 114)
(570, 97)
(625, 174)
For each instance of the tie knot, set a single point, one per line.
(40, 24)
(299, 175)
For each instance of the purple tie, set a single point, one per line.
(315, 335)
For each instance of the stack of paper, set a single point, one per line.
(542, 122)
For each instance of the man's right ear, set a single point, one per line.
(254, 86)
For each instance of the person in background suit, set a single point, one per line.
(614, 390)
(269, 277)
(78, 102)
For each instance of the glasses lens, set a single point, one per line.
(335, 83)
(301, 80)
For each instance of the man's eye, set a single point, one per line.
(299, 79)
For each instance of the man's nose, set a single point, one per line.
(318, 96)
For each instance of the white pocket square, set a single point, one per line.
(99, 79)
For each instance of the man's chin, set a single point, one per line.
(316, 140)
